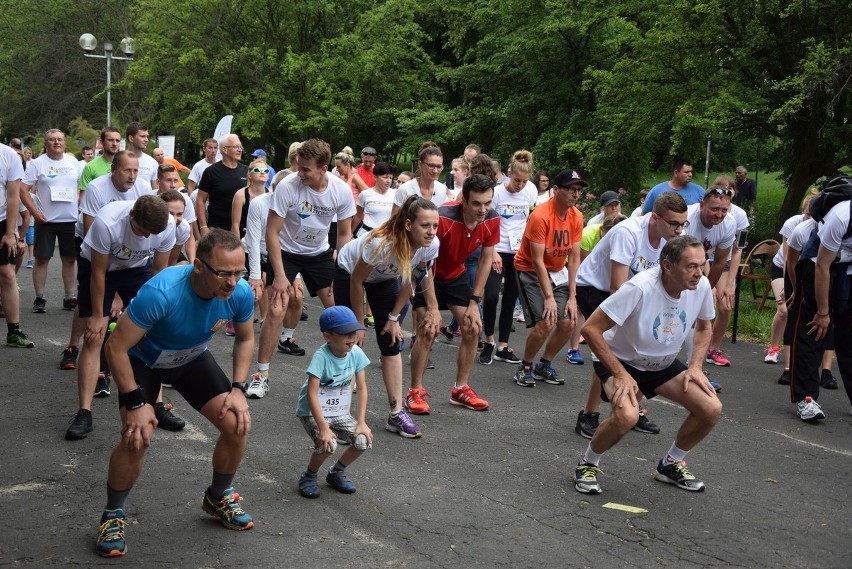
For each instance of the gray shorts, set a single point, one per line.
(343, 426)
(532, 299)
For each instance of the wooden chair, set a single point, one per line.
(756, 268)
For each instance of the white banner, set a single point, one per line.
(223, 128)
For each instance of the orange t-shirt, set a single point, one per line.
(557, 235)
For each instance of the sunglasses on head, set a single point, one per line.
(720, 192)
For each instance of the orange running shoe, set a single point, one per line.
(465, 396)
(416, 403)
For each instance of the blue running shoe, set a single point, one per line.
(575, 357)
(111, 534)
(548, 374)
(227, 510)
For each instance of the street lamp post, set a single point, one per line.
(88, 42)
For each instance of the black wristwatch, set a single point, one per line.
(476, 299)
(241, 385)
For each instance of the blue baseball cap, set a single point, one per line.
(340, 320)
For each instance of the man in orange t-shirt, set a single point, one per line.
(161, 158)
(546, 282)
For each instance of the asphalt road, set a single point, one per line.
(490, 489)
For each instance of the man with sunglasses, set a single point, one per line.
(365, 168)
(218, 185)
(629, 248)
(681, 183)
(546, 286)
(163, 339)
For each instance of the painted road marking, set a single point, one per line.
(624, 508)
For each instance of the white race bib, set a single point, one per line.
(176, 358)
(652, 363)
(335, 401)
(62, 194)
(515, 236)
(559, 278)
(311, 236)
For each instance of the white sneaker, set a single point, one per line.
(258, 386)
(809, 410)
(518, 314)
(772, 354)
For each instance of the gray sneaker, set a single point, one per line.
(677, 474)
(544, 372)
(809, 410)
(586, 479)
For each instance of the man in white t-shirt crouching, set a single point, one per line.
(637, 334)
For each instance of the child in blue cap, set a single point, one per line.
(325, 399)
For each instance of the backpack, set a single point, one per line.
(837, 190)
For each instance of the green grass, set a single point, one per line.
(751, 325)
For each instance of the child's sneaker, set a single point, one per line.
(308, 486)
(340, 482)
(465, 396)
(227, 510)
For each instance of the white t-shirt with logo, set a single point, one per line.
(513, 208)
(786, 232)
(377, 207)
(111, 234)
(831, 232)
(650, 325)
(101, 191)
(308, 214)
(627, 243)
(148, 168)
(440, 195)
(55, 185)
(717, 237)
(255, 237)
(11, 170)
(370, 251)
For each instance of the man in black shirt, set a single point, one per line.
(746, 188)
(218, 185)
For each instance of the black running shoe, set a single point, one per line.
(69, 358)
(486, 356)
(587, 424)
(102, 386)
(81, 425)
(39, 306)
(290, 347)
(166, 419)
(643, 425)
(826, 380)
(785, 378)
(677, 474)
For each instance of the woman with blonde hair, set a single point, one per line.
(345, 169)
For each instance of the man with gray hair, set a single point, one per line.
(637, 334)
(218, 185)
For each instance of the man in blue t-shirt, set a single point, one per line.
(163, 339)
(681, 183)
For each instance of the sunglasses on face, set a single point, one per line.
(368, 154)
(260, 170)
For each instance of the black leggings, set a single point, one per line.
(380, 295)
(492, 296)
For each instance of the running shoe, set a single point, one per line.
(290, 347)
(785, 378)
(772, 354)
(826, 379)
(415, 401)
(340, 482)
(677, 474)
(506, 354)
(30, 263)
(227, 510)
(587, 424)
(69, 358)
(258, 386)
(518, 314)
(304, 315)
(717, 387)
(465, 396)
(586, 479)
(448, 334)
(166, 419)
(81, 425)
(308, 486)
(111, 534)
(369, 321)
(809, 410)
(524, 376)
(717, 357)
(102, 385)
(17, 339)
(548, 374)
(69, 303)
(402, 424)
(430, 364)
(575, 357)
(39, 306)
(229, 329)
(486, 356)
(643, 425)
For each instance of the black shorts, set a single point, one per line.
(46, 235)
(317, 272)
(648, 381)
(5, 257)
(589, 298)
(776, 272)
(125, 283)
(381, 296)
(198, 382)
(454, 292)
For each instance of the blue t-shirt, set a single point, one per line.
(176, 318)
(333, 372)
(692, 193)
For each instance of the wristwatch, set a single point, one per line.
(241, 385)
(476, 299)
(393, 317)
